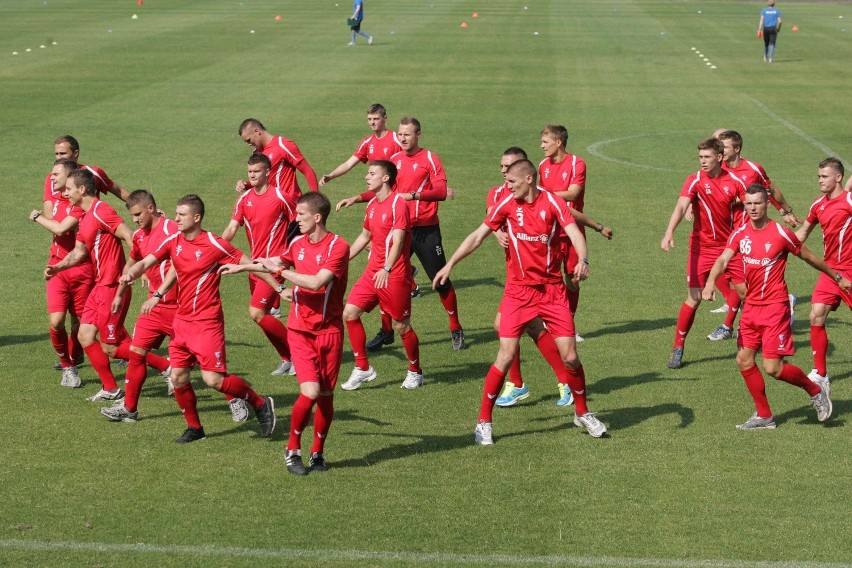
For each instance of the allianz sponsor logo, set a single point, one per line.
(758, 261)
(532, 238)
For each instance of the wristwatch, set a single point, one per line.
(36, 215)
(158, 295)
(838, 277)
(386, 268)
(281, 287)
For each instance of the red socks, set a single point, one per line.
(358, 341)
(412, 350)
(577, 383)
(757, 388)
(550, 352)
(276, 333)
(238, 388)
(299, 420)
(795, 376)
(133, 380)
(515, 376)
(387, 324)
(185, 397)
(448, 299)
(59, 340)
(684, 323)
(100, 363)
(819, 346)
(322, 421)
(490, 392)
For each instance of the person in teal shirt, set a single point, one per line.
(769, 26)
(357, 17)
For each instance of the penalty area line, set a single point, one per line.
(417, 557)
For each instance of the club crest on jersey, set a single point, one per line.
(564, 176)
(384, 217)
(767, 246)
(542, 214)
(726, 189)
(301, 254)
(519, 213)
(178, 249)
(319, 259)
(197, 255)
(414, 166)
(708, 188)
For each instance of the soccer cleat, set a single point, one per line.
(791, 297)
(358, 378)
(77, 362)
(566, 397)
(676, 359)
(119, 413)
(512, 395)
(70, 378)
(482, 434)
(266, 416)
(293, 459)
(722, 332)
(822, 404)
(239, 409)
(590, 422)
(351, 43)
(121, 363)
(723, 309)
(757, 423)
(275, 312)
(823, 381)
(578, 338)
(317, 462)
(457, 337)
(167, 374)
(170, 386)
(191, 435)
(382, 338)
(415, 292)
(284, 368)
(413, 379)
(102, 395)
(370, 40)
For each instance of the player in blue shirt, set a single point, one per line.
(769, 26)
(357, 16)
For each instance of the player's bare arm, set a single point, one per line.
(73, 258)
(709, 291)
(348, 202)
(360, 243)
(683, 205)
(805, 230)
(151, 303)
(138, 269)
(581, 271)
(56, 227)
(571, 194)
(47, 209)
(786, 210)
(587, 221)
(339, 170)
(230, 231)
(119, 192)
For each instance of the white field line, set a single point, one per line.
(596, 150)
(416, 557)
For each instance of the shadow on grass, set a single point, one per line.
(610, 384)
(630, 327)
(7, 340)
(807, 415)
(623, 418)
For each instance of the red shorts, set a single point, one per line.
(699, 263)
(826, 291)
(523, 303)
(262, 294)
(394, 299)
(201, 341)
(151, 329)
(98, 313)
(68, 290)
(569, 253)
(768, 327)
(317, 358)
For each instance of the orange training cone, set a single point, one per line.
(795, 28)
(278, 18)
(463, 25)
(474, 15)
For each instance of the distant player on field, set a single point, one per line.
(534, 287)
(765, 323)
(712, 194)
(768, 28)
(833, 212)
(317, 263)
(199, 323)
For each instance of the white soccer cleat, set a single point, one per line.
(103, 395)
(284, 368)
(723, 309)
(358, 378)
(70, 378)
(590, 422)
(482, 434)
(413, 379)
(823, 381)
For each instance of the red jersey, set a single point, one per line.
(713, 206)
(97, 231)
(145, 242)
(318, 311)
(560, 176)
(534, 231)
(423, 173)
(285, 157)
(749, 172)
(196, 263)
(61, 208)
(381, 218)
(835, 217)
(375, 148)
(102, 181)
(265, 217)
(764, 257)
(496, 195)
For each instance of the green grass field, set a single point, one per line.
(156, 101)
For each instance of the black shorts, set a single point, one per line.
(426, 244)
(356, 27)
(770, 35)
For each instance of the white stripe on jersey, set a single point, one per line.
(763, 180)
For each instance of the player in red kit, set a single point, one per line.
(765, 323)
(100, 233)
(514, 389)
(265, 211)
(422, 182)
(380, 145)
(68, 290)
(533, 219)
(199, 322)
(565, 175)
(386, 281)
(68, 148)
(711, 194)
(748, 172)
(317, 263)
(833, 212)
(285, 160)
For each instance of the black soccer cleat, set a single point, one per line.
(191, 435)
(266, 416)
(317, 462)
(382, 338)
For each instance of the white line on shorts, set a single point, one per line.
(417, 557)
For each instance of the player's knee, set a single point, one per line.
(351, 312)
(138, 350)
(109, 349)
(256, 314)
(310, 390)
(402, 327)
(180, 377)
